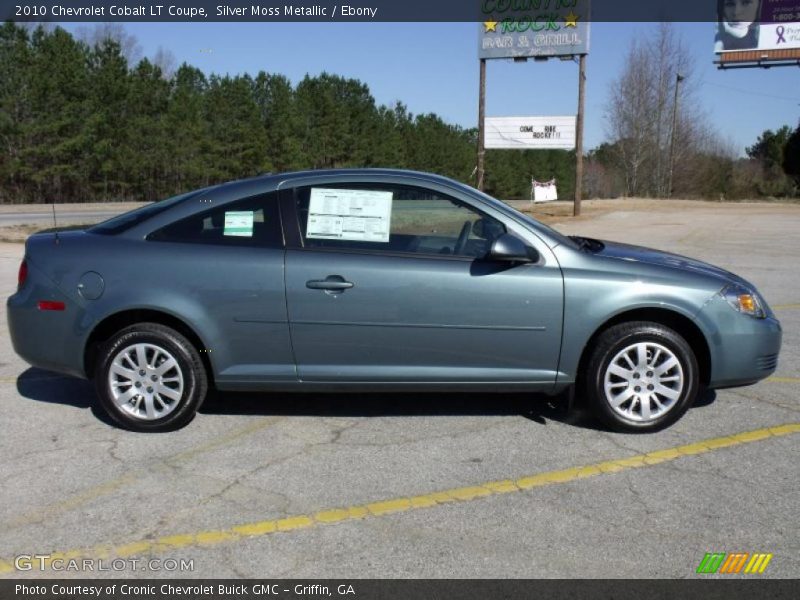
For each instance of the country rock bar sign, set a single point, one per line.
(537, 29)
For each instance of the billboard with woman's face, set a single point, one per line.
(747, 25)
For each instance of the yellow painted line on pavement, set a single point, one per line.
(399, 505)
(785, 306)
(784, 379)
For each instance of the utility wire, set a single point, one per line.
(752, 93)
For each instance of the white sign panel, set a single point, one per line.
(363, 215)
(544, 191)
(554, 133)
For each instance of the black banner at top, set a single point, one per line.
(375, 10)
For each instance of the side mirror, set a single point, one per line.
(510, 248)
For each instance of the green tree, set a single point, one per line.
(791, 156)
(282, 124)
(145, 159)
(236, 141)
(336, 115)
(107, 122)
(769, 151)
(769, 146)
(185, 130)
(15, 70)
(54, 135)
(433, 145)
(80, 122)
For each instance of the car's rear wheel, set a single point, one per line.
(641, 377)
(150, 378)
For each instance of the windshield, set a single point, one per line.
(131, 218)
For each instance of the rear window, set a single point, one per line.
(134, 217)
(253, 221)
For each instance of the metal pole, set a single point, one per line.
(579, 135)
(678, 79)
(481, 130)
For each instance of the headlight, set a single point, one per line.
(744, 300)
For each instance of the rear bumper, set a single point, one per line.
(744, 350)
(47, 339)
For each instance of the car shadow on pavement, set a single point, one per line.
(537, 408)
(43, 386)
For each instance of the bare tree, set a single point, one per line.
(116, 32)
(165, 60)
(629, 122)
(640, 111)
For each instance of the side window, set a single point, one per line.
(253, 221)
(391, 218)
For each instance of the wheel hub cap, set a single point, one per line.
(145, 381)
(643, 381)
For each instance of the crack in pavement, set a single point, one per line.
(169, 463)
(409, 441)
(763, 400)
(171, 519)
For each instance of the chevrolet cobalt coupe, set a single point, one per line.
(353, 280)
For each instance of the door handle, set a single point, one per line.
(332, 283)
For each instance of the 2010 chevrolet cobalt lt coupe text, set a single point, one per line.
(377, 280)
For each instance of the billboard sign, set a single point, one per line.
(534, 28)
(530, 133)
(753, 30)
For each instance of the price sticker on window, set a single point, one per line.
(239, 223)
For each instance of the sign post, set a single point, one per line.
(576, 208)
(520, 30)
(481, 126)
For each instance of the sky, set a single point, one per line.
(433, 67)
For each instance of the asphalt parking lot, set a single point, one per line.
(433, 485)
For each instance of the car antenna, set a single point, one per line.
(55, 224)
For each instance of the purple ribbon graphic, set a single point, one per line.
(779, 31)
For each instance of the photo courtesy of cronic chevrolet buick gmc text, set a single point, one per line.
(380, 280)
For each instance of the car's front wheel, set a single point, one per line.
(641, 376)
(150, 378)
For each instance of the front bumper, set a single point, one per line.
(743, 350)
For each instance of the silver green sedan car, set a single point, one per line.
(380, 280)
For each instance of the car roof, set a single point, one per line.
(277, 178)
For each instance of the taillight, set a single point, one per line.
(22, 275)
(51, 305)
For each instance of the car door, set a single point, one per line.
(387, 282)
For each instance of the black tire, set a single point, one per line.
(189, 369)
(609, 345)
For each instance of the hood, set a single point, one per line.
(666, 259)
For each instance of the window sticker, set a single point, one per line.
(360, 215)
(239, 223)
